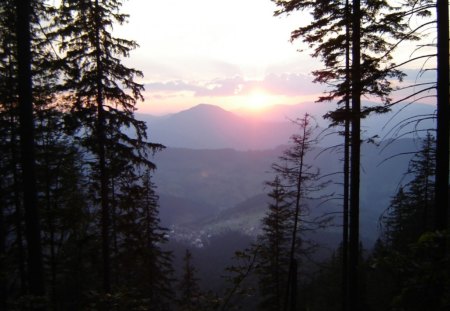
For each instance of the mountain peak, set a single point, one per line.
(205, 108)
(202, 112)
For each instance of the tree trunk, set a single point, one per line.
(292, 261)
(345, 214)
(355, 161)
(18, 217)
(3, 279)
(442, 139)
(101, 142)
(32, 225)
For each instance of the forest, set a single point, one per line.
(80, 224)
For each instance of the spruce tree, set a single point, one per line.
(301, 181)
(27, 151)
(273, 260)
(145, 270)
(102, 94)
(363, 31)
(411, 212)
(42, 78)
(190, 295)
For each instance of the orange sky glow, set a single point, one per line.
(234, 54)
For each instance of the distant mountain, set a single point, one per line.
(211, 127)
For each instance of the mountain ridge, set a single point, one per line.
(207, 126)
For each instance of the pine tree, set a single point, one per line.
(41, 76)
(61, 195)
(190, 298)
(300, 180)
(411, 211)
(273, 260)
(370, 32)
(27, 151)
(97, 81)
(145, 268)
(443, 111)
(411, 247)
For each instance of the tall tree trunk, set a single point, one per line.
(345, 215)
(293, 304)
(3, 279)
(355, 160)
(32, 225)
(101, 142)
(442, 139)
(292, 273)
(18, 217)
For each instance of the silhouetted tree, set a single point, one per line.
(274, 245)
(368, 31)
(443, 111)
(190, 295)
(144, 268)
(25, 101)
(97, 81)
(410, 255)
(300, 181)
(411, 211)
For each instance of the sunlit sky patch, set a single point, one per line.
(217, 52)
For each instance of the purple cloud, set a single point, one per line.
(277, 84)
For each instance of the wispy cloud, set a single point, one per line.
(277, 84)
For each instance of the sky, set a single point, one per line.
(232, 53)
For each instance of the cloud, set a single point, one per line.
(290, 84)
(212, 88)
(172, 86)
(286, 84)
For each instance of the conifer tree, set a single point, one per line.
(443, 111)
(27, 151)
(190, 295)
(300, 181)
(103, 94)
(273, 260)
(144, 268)
(411, 212)
(41, 76)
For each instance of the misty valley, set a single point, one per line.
(213, 198)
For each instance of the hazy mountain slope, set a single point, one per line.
(227, 185)
(182, 211)
(219, 178)
(211, 127)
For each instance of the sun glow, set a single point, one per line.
(258, 99)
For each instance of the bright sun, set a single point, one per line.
(258, 99)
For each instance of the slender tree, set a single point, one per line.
(411, 211)
(301, 180)
(32, 220)
(144, 268)
(189, 289)
(368, 25)
(354, 295)
(273, 252)
(97, 81)
(442, 148)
